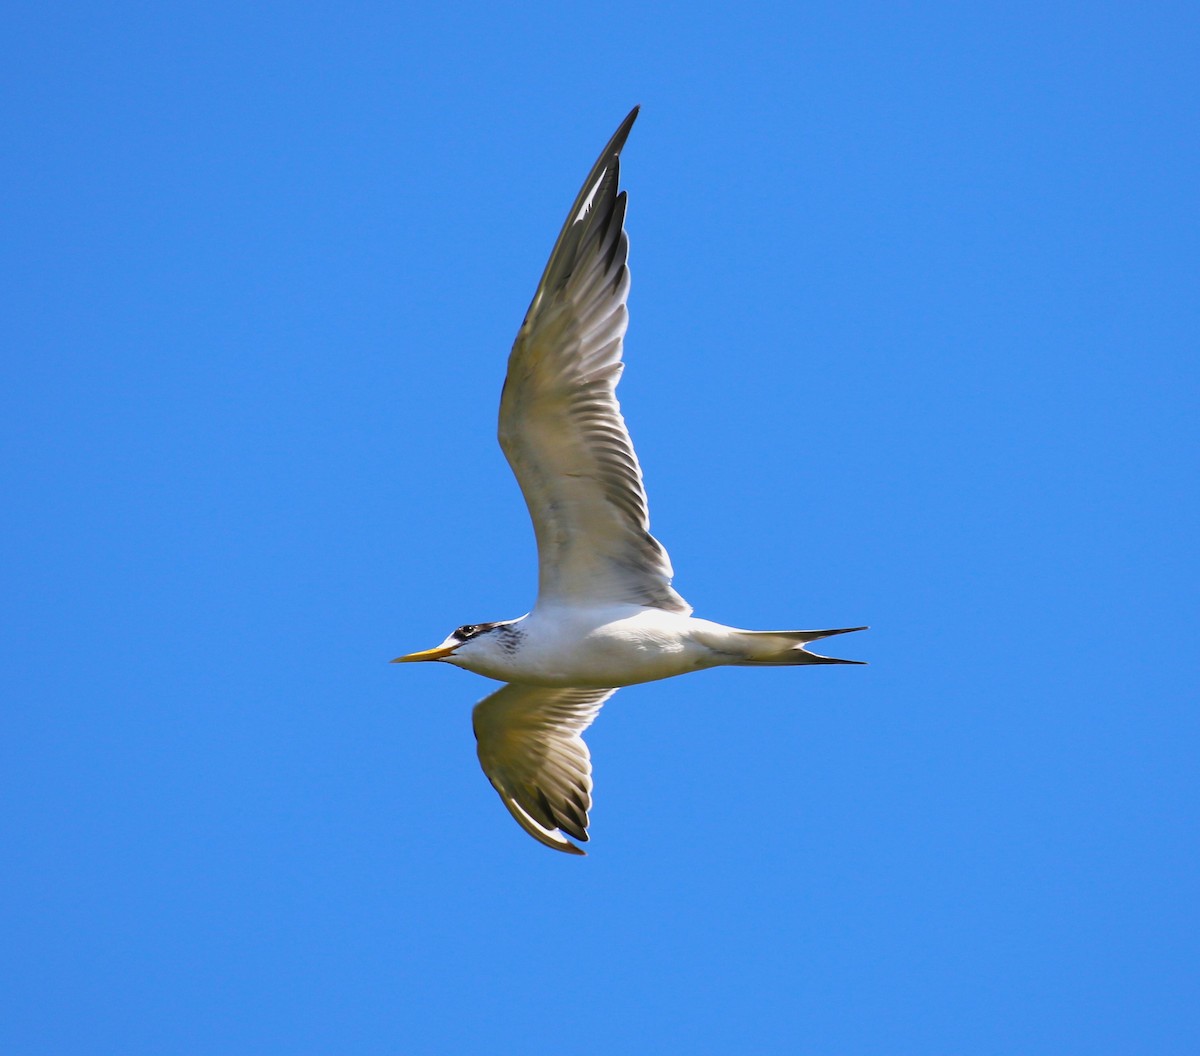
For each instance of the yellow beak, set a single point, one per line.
(425, 654)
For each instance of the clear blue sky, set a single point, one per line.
(913, 344)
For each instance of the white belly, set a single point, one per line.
(602, 650)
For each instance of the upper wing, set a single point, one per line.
(532, 752)
(560, 424)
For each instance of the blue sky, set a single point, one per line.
(913, 344)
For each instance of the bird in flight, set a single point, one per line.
(606, 615)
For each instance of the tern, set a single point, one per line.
(606, 615)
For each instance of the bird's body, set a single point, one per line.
(606, 615)
(597, 648)
(611, 646)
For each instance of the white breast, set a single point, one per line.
(607, 648)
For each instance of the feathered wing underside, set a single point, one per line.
(560, 424)
(531, 748)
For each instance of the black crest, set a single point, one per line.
(508, 634)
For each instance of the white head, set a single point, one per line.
(480, 647)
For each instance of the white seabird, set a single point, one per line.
(606, 614)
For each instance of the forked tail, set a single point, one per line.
(786, 648)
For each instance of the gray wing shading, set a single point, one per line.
(560, 424)
(531, 748)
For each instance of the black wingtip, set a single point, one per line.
(617, 143)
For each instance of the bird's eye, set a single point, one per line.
(467, 630)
